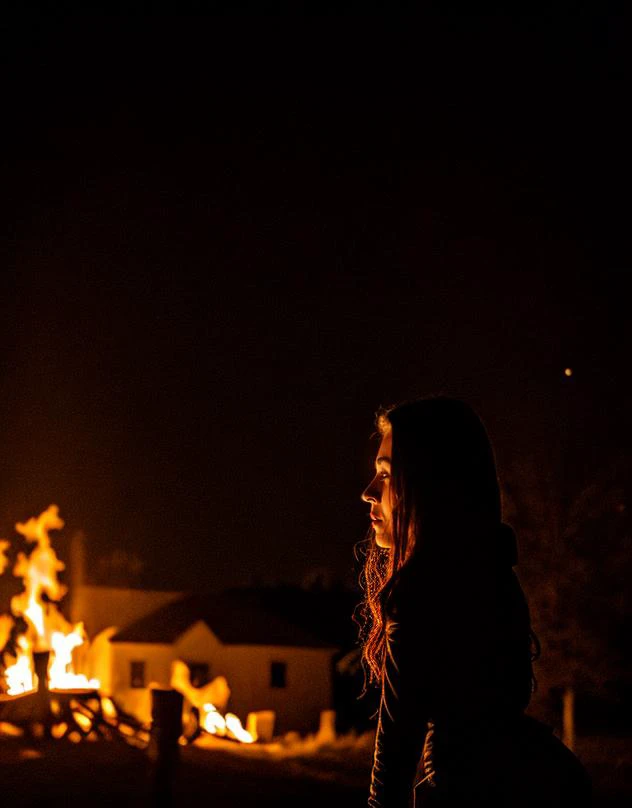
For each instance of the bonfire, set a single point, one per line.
(43, 689)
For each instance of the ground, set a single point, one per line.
(106, 773)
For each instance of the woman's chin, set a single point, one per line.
(382, 540)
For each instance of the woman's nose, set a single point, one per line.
(369, 494)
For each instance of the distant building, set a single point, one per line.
(269, 661)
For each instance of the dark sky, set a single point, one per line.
(230, 241)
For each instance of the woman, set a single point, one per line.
(447, 632)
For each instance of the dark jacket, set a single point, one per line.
(454, 661)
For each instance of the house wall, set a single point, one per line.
(157, 659)
(298, 705)
(309, 672)
(96, 662)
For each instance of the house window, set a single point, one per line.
(278, 674)
(199, 672)
(137, 673)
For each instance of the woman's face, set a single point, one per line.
(378, 494)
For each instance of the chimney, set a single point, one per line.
(77, 576)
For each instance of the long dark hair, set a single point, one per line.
(446, 517)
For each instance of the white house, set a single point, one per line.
(269, 661)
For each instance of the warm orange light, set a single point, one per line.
(6, 624)
(39, 575)
(9, 730)
(568, 371)
(49, 631)
(47, 628)
(234, 729)
(108, 709)
(205, 698)
(60, 676)
(19, 676)
(230, 725)
(59, 730)
(4, 546)
(212, 721)
(83, 721)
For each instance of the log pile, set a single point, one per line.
(71, 715)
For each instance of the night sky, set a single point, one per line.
(229, 241)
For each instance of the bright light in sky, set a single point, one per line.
(568, 371)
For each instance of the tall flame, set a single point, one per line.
(39, 574)
(47, 628)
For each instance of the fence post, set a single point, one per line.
(166, 729)
(42, 714)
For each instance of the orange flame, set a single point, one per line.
(108, 709)
(59, 730)
(47, 628)
(60, 675)
(20, 677)
(6, 624)
(39, 574)
(6, 621)
(212, 720)
(4, 546)
(229, 725)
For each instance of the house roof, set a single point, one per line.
(237, 617)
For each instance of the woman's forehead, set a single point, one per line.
(386, 445)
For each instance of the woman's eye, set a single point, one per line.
(383, 475)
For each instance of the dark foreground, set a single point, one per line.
(112, 773)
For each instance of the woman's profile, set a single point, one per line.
(447, 633)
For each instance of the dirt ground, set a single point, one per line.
(112, 773)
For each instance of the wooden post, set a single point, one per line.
(164, 749)
(568, 717)
(40, 726)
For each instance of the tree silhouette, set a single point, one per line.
(575, 565)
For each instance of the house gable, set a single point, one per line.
(198, 643)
